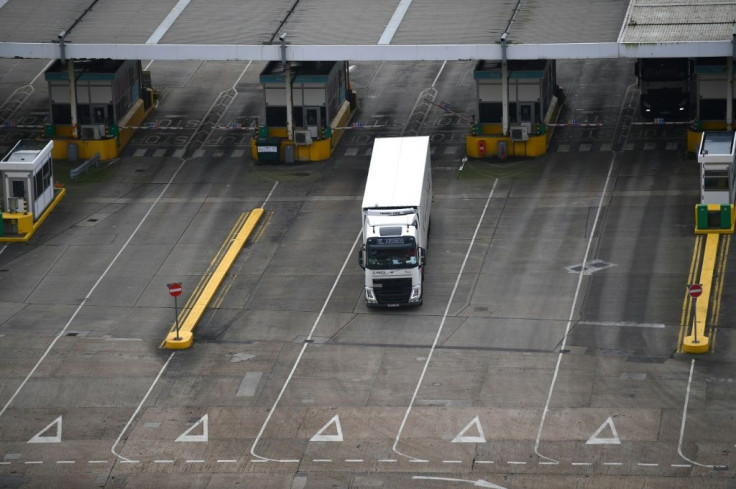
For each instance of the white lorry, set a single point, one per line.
(396, 208)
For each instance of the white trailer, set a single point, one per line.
(396, 211)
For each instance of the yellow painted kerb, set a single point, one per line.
(186, 327)
(26, 225)
(697, 342)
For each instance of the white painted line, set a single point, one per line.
(351, 151)
(387, 460)
(41, 438)
(159, 153)
(418, 461)
(681, 466)
(437, 77)
(354, 460)
(269, 194)
(452, 461)
(97, 461)
(198, 153)
(155, 381)
(595, 438)
(127, 461)
(164, 26)
(65, 461)
(260, 460)
(319, 460)
(178, 153)
(89, 294)
(237, 153)
(479, 438)
(194, 461)
(684, 419)
(249, 384)
(550, 462)
(573, 309)
(163, 461)
(612, 463)
(140, 152)
(227, 461)
(186, 437)
(393, 24)
(641, 464)
(484, 461)
(623, 324)
(320, 436)
(4, 463)
(33, 462)
(581, 463)
(218, 153)
(515, 462)
(348, 258)
(442, 323)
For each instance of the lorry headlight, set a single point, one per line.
(416, 293)
(369, 295)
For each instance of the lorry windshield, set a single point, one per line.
(387, 253)
(664, 70)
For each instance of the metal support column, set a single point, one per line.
(287, 78)
(504, 87)
(73, 97)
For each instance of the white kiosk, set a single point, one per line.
(717, 159)
(27, 187)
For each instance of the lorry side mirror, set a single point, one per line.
(361, 257)
(422, 256)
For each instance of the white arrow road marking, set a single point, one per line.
(40, 438)
(320, 436)
(596, 440)
(186, 437)
(480, 438)
(478, 483)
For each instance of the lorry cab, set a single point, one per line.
(396, 210)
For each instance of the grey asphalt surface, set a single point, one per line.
(517, 370)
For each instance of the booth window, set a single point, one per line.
(716, 180)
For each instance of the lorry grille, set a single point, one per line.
(392, 291)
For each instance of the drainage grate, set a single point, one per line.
(590, 267)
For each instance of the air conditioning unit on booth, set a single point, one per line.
(519, 134)
(302, 137)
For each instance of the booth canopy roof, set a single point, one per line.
(177, 29)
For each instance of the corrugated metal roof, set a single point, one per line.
(38, 20)
(453, 22)
(576, 21)
(656, 21)
(548, 28)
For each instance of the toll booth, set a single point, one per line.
(711, 80)
(717, 160)
(531, 100)
(320, 105)
(87, 112)
(28, 191)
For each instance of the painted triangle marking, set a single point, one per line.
(320, 436)
(186, 437)
(595, 439)
(480, 438)
(41, 438)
